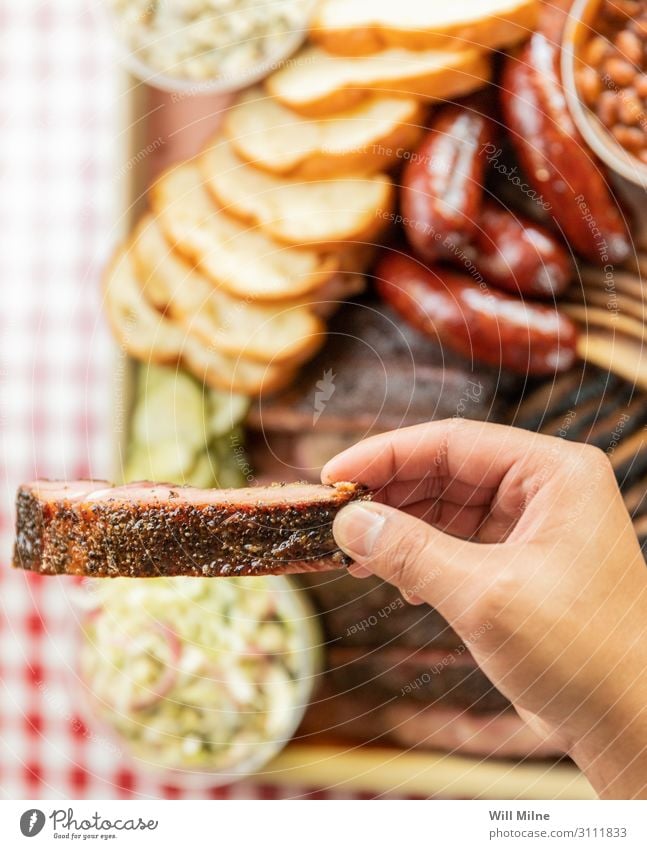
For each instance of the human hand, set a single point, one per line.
(524, 541)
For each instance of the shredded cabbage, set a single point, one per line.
(199, 672)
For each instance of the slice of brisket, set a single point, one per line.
(374, 374)
(146, 530)
(371, 613)
(348, 718)
(428, 676)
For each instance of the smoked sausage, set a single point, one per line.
(513, 253)
(442, 184)
(553, 154)
(481, 324)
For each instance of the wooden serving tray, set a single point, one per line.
(149, 145)
(390, 771)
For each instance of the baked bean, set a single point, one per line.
(621, 72)
(596, 50)
(639, 26)
(640, 85)
(630, 108)
(612, 75)
(630, 137)
(629, 46)
(608, 108)
(589, 85)
(623, 8)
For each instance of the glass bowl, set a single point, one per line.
(200, 681)
(580, 24)
(226, 81)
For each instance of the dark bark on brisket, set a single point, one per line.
(406, 724)
(373, 613)
(426, 676)
(147, 530)
(386, 375)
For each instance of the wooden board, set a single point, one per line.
(378, 770)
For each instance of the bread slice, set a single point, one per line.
(140, 330)
(147, 335)
(316, 83)
(245, 261)
(278, 333)
(370, 137)
(323, 212)
(238, 375)
(356, 27)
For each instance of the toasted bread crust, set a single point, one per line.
(265, 210)
(381, 152)
(294, 286)
(232, 341)
(489, 32)
(443, 84)
(217, 370)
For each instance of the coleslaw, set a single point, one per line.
(199, 674)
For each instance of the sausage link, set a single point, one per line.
(513, 253)
(552, 152)
(482, 325)
(442, 184)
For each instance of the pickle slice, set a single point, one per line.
(183, 434)
(204, 471)
(174, 410)
(168, 460)
(232, 467)
(226, 410)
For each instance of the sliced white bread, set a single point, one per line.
(322, 212)
(140, 330)
(316, 83)
(242, 259)
(145, 334)
(359, 27)
(369, 138)
(285, 332)
(241, 376)
(237, 326)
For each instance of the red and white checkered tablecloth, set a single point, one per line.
(58, 152)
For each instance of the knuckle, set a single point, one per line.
(597, 458)
(590, 461)
(458, 427)
(496, 600)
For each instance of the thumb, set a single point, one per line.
(423, 562)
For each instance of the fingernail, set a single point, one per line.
(413, 599)
(358, 571)
(356, 529)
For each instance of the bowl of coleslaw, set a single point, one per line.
(205, 46)
(200, 680)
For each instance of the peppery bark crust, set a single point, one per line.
(142, 530)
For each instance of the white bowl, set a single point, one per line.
(221, 84)
(293, 602)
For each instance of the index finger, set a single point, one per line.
(479, 454)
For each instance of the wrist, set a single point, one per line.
(613, 752)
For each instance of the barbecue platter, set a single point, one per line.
(403, 222)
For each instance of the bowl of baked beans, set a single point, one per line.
(604, 72)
